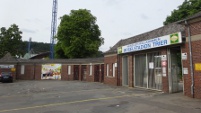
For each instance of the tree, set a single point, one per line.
(10, 40)
(188, 8)
(36, 47)
(78, 35)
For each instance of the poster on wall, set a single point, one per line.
(51, 71)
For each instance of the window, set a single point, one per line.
(22, 69)
(148, 70)
(113, 69)
(90, 73)
(69, 70)
(107, 69)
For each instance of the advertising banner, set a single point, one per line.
(51, 71)
(152, 43)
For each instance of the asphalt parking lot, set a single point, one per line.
(85, 97)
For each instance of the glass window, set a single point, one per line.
(22, 69)
(90, 73)
(140, 70)
(107, 69)
(69, 70)
(154, 72)
(148, 71)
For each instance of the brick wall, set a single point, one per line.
(195, 30)
(90, 78)
(119, 79)
(165, 83)
(70, 76)
(28, 72)
(196, 51)
(38, 71)
(64, 72)
(31, 72)
(110, 60)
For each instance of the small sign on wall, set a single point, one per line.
(198, 66)
(151, 65)
(184, 56)
(115, 64)
(185, 71)
(164, 71)
(163, 57)
(13, 69)
(163, 63)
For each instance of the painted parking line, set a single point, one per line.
(65, 103)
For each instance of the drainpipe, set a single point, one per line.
(191, 58)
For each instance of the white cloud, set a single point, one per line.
(117, 19)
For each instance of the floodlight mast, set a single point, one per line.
(53, 28)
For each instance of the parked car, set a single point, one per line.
(6, 77)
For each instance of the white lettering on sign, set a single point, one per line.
(152, 43)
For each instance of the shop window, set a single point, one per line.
(140, 70)
(154, 71)
(69, 70)
(22, 69)
(148, 70)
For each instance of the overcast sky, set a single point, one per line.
(117, 19)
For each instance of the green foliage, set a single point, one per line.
(78, 35)
(188, 8)
(10, 41)
(36, 47)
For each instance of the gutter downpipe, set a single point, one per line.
(191, 58)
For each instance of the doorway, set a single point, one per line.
(102, 73)
(125, 71)
(96, 73)
(175, 67)
(84, 72)
(140, 71)
(76, 72)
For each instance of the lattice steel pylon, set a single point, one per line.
(53, 28)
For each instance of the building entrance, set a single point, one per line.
(125, 71)
(175, 70)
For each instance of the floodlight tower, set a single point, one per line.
(53, 28)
